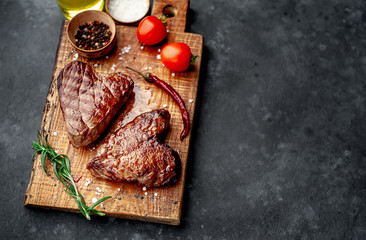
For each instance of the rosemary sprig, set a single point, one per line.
(61, 168)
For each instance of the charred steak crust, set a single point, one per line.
(89, 102)
(135, 153)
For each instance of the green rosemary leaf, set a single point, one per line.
(43, 159)
(61, 168)
(97, 212)
(67, 162)
(99, 201)
(56, 172)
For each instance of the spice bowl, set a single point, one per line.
(127, 11)
(88, 17)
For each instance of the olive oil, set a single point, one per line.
(70, 8)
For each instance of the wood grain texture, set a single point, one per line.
(178, 8)
(162, 205)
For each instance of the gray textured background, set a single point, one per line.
(278, 148)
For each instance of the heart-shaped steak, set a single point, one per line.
(135, 153)
(89, 102)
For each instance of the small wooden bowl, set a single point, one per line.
(127, 22)
(87, 17)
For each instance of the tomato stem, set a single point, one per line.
(193, 58)
(162, 18)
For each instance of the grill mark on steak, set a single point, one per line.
(136, 152)
(89, 102)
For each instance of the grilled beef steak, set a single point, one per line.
(88, 101)
(135, 153)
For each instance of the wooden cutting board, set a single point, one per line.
(163, 204)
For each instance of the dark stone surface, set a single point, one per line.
(279, 144)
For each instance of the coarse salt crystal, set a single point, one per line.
(97, 193)
(173, 74)
(144, 189)
(150, 68)
(94, 200)
(96, 64)
(126, 49)
(159, 50)
(164, 106)
(167, 30)
(118, 189)
(145, 193)
(106, 57)
(155, 194)
(145, 68)
(142, 47)
(190, 100)
(55, 133)
(98, 189)
(101, 205)
(120, 58)
(87, 182)
(158, 56)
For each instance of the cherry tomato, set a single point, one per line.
(176, 56)
(151, 30)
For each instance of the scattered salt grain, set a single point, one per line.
(144, 189)
(94, 200)
(155, 194)
(150, 68)
(87, 182)
(167, 30)
(96, 64)
(106, 57)
(120, 58)
(190, 100)
(75, 56)
(99, 190)
(145, 193)
(142, 47)
(158, 56)
(159, 50)
(145, 68)
(173, 74)
(118, 189)
(163, 64)
(55, 133)
(97, 193)
(126, 49)
(164, 106)
(101, 205)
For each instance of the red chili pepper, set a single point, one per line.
(174, 94)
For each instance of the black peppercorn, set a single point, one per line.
(92, 36)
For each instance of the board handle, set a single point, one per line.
(176, 10)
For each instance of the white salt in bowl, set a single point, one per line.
(127, 11)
